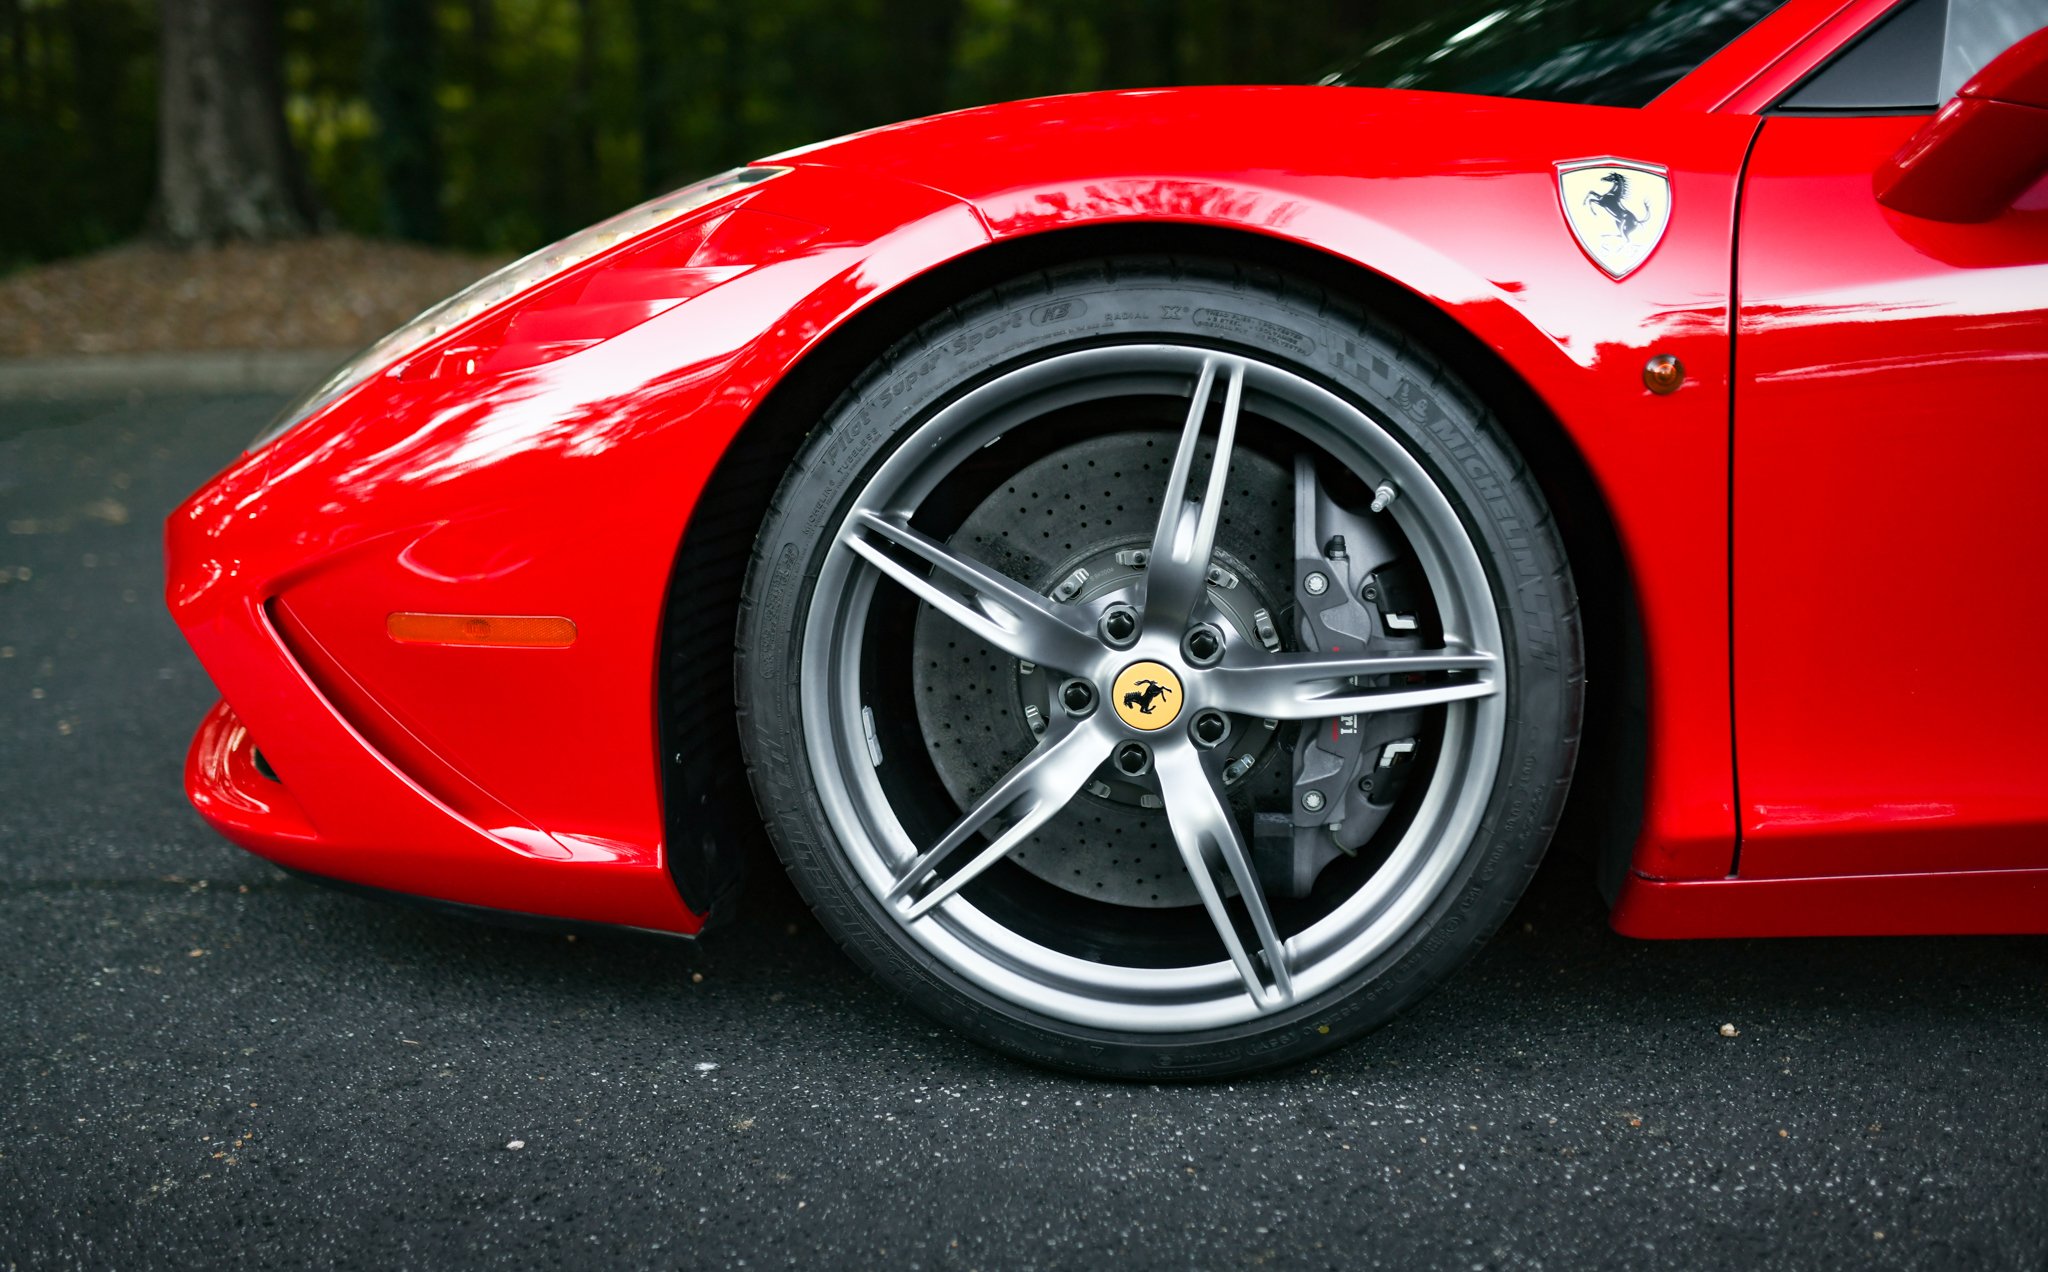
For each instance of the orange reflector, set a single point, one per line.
(506, 630)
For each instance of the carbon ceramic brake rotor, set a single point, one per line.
(1077, 508)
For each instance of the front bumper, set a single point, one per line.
(226, 783)
(360, 795)
(510, 779)
(339, 808)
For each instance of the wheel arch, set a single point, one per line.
(712, 824)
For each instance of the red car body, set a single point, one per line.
(1805, 527)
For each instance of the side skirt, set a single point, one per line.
(1959, 903)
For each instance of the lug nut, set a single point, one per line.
(1202, 645)
(1078, 697)
(1133, 760)
(1316, 583)
(1119, 624)
(1210, 727)
(1312, 800)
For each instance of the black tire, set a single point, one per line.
(1323, 337)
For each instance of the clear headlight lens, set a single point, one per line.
(497, 288)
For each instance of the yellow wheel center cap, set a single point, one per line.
(1147, 696)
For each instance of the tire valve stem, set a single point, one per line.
(1383, 497)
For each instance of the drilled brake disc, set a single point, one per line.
(1077, 509)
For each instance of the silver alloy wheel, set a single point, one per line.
(876, 543)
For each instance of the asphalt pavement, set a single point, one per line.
(208, 1062)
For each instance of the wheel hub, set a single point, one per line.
(1080, 518)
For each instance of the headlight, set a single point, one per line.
(495, 289)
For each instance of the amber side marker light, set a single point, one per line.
(1663, 374)
(523, 631)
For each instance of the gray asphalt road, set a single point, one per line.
(206, 1061)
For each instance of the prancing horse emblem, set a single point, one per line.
(1612, 201)
(1143, 698)
(1146, 695)
(1617, 209)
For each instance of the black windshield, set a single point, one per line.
(1595, 52)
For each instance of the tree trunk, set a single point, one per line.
(225, 164)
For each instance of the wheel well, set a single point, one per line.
(712, 822)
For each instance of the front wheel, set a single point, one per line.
(1157, 670)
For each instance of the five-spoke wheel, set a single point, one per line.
(1191, 676)
(1148, 690)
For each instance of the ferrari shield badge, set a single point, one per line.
(1617, 209)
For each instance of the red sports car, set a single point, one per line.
(1158, 562)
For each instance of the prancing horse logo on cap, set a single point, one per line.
(1147, 695)
(1617, 209)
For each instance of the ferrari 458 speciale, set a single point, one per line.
(1162, 564)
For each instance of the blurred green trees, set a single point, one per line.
(499, 124)
(77, 124)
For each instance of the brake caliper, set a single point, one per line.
(1352, 596)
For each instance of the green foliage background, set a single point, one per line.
(500, 124)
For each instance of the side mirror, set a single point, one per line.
(1986, 148)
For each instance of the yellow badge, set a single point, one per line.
(1147, 695)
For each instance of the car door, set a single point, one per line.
(1890, 482)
